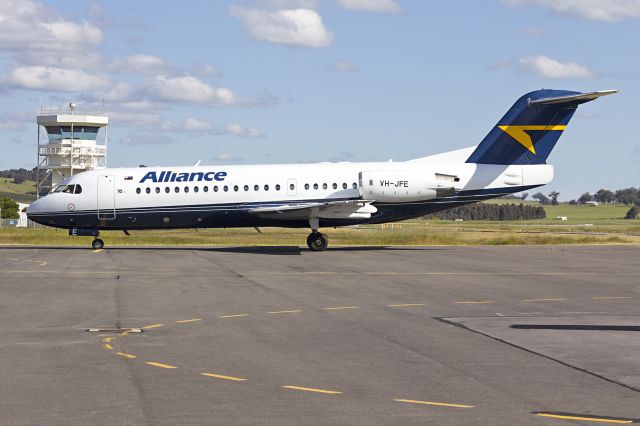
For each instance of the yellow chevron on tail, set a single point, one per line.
(520, 134)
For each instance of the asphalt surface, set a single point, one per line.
(272, 336)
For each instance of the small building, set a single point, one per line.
(563, 218)
(591, 203)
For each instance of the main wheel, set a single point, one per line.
(97, 244)
(317, 241)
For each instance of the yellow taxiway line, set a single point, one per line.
(220, 376)
(585, 419)
(125, 355)
(157, 364)
(440, 404)
(330, 392)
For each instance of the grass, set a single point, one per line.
(406, 233)
(19, 192)
(603, 224)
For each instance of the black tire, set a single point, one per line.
(97, 244)
(317, 241)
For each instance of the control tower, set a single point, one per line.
(72, 146)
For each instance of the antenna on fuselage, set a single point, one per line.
(197, 163)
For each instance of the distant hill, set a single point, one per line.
(24, 192)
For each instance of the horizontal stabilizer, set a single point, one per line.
(571, 99)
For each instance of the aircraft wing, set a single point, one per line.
(340, 209)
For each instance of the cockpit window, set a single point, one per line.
(69, 189)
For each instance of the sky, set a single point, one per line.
(288, 81)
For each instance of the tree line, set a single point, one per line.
(19, 175)
(486, 211)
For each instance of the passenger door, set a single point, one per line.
(106, 197)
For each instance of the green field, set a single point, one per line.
(19, 192)
(416, 232)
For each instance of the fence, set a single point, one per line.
(23, 222)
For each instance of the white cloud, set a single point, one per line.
(295, 27)
(116, 92)
(378, 6)
(56, 79)
(289, 4)
(27, 24)
(190, 89)
(594, 10)
(74, 59)
(547, 67)
(243, 132)
(206, 70)
(138, 63)
(345, 66)
(137, 138)
(225, 157)
(197, 127)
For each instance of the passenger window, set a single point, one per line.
(157, 190)
(355, 185)
(196, 189)
(324, 186)
(226, 188)
(335, 185)
(292, 187)
(205, 188)
(344, 185)
(256, 188)
(278, 187)
(235, 188)
(166, 189)
(148, 190)
(306, 186)
(215, 188)
(315, 186)
(186, 189)
(246, 187)
(138, 190)
(266, 187)
(177, 189)
(78, 190)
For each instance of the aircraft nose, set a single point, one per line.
(35, 207)
(37, 211)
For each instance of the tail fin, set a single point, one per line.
(530, 129)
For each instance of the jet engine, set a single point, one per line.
(405, 185)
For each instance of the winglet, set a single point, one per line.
(571, 99)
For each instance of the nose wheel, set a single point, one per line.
(97, 244)
(317, 241)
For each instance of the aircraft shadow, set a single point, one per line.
(265, 250)
(584, 327)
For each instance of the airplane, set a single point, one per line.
(511, 158)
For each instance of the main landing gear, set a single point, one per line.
(316, 240)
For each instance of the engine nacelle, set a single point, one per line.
(398, 185)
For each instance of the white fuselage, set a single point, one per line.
(270, 195)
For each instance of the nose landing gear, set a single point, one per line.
(84, 232)
(97, 244)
